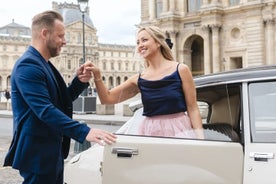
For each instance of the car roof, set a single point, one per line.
(265, 72)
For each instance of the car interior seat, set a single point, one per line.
(225, 114)
(223, 128)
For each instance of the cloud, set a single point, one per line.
(117, 25)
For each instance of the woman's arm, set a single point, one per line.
(117, 94)
(190, 96)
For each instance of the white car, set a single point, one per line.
(239, 145)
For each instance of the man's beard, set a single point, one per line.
(53, 50)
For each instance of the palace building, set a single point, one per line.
(216, 35)
(118, 62)
(208, 35)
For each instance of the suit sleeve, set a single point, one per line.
(35, 86)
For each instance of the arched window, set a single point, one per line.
(9, 82)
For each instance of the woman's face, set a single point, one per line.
(146, 45)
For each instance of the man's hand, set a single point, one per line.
(83, 74)
(90, 67)
(100, 136)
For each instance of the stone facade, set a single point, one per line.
(14, 39)
(216, 35)
(208, 35)
(117, 62)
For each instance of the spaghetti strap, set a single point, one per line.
(177, 67)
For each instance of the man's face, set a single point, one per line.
(56, 39)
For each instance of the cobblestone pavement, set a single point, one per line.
(9, 175)
(12, 176)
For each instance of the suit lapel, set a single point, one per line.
(62, 88)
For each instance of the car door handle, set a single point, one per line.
(260, 156)
(124, 152)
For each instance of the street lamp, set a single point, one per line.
(83, 5)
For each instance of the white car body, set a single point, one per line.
(239, 112)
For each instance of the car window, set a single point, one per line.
(220, 107)
(220, 111)
(262, 105)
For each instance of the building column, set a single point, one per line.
(207, 49)
(185, 7)
(205, 2)
(269, 44)
(226, 3)
(152, 8)
(172, 5)
(215, 43)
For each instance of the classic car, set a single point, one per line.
(238, 109)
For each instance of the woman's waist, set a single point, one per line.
(168, 116)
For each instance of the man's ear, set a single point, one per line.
(44, 32)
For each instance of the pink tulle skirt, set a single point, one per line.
(172, 125)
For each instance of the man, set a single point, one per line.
(42, 107)
(7, 94)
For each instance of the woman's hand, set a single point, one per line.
(91, 68)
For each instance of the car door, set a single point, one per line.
(260, 127)
(155, 160)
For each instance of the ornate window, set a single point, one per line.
(69, 64)
(234, 2)
(79, 38)
(67, 37)
(89, 39)
(126, 66)
(119, 66)
(194, 5)
(159, 8)
(104, 65)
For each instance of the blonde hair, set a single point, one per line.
(156, 33)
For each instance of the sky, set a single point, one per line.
(114, 20)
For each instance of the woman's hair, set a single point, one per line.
(159, 37)
(45, 19)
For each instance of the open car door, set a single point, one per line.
(155, 160)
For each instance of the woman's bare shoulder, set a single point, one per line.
(183, 67)
(133, 79)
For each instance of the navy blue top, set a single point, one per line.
(164, 96)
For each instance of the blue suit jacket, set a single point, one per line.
(42, 112)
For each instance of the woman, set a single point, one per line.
(167, 89)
